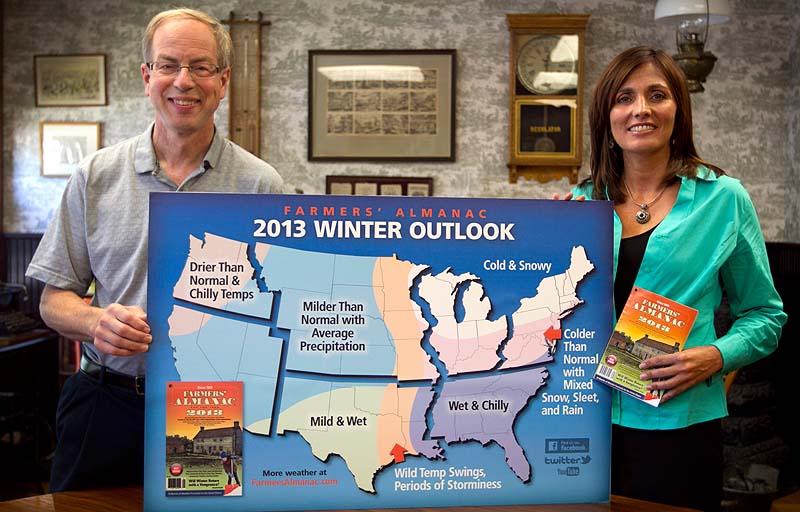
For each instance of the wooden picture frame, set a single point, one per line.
(378, 186)
(63, 144)
(70, 80)
(388, 105)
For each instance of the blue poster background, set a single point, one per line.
(544, 231)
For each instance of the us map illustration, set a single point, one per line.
(391, 350)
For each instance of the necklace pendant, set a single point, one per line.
(642, 216)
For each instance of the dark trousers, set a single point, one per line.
(100, 434)
(681, 467)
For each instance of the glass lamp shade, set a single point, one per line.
(674, 12)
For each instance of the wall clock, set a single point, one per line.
(546, 89)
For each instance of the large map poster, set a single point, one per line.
(394, 352)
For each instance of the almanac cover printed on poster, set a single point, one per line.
(204, 439)
(650, 325)
(393, 351)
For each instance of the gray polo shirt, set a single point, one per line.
(99, 231)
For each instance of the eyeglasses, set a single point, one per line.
(171, 69)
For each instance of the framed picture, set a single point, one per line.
(64, 144)
(378, 186)
(70, 80)
(381, 105)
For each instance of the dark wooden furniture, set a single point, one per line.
(130, 499)
(28, 397)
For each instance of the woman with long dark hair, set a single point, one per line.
(685, 230)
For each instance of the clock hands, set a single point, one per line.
(545, 83)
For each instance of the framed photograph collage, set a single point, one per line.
(381, 105)
(378, 186)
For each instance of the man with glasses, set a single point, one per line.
(98, 235)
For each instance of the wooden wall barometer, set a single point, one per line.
(244, 91)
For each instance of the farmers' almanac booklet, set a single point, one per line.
(204, 438)
(393, 351)
(649, 325)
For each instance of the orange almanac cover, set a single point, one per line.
(204, 439)
(649, 325)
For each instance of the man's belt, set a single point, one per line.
(109, 376)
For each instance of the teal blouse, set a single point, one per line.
(711, 240)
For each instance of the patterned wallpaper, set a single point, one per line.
(793, 108)
(747, 121)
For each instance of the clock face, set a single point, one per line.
(548, 64)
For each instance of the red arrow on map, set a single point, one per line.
(552, 334)
(398, 452)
